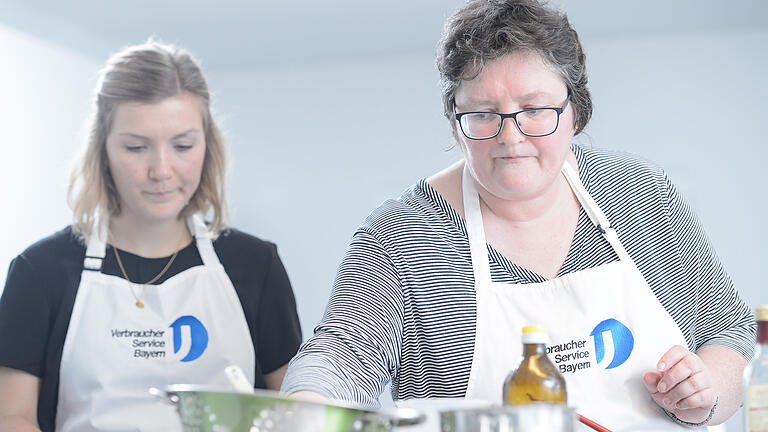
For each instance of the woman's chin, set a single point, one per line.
(160, 214)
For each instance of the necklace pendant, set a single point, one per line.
(139, 304)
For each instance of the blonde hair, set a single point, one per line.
(146, 73)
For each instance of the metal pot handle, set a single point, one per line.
(403, 416)
(169, 397)
(386, 419)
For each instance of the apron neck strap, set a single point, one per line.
(598, 218)
(596, 215)
(473, 221)
(97, 246)
(202, 234)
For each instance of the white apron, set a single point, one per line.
(191, 327)
(605, 325)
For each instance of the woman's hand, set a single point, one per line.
(682, 385)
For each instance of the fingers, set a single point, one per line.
(671, 357)
(678, 365)
(651, 381)
(702, 399)
(690, 386)
(681, 384)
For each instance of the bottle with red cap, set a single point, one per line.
(756, 378)
(536, 378)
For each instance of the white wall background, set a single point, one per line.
(318, 143)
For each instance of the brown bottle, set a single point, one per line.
(536, 378)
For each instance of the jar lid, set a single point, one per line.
(534, 334)
(539, 328)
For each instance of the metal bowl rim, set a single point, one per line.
(261, 393)
(495, 409)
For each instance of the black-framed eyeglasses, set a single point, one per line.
(532, 122)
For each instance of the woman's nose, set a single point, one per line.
(510, 131)
(160, 168)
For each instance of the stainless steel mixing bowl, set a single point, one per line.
(208, 409)
(538, 417)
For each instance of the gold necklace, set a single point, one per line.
(139, 303)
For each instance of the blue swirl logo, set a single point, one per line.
(197, 333)
(623, 342)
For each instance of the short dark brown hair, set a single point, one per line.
(485, 30)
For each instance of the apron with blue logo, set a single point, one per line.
(605, 325)
(191, 328)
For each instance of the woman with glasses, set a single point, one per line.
(532, 228)
(139, 291)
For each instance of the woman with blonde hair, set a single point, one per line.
(139, 291)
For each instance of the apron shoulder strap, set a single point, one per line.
(598, 218)
(473, 221)
(596, 215)
(97, 247)
(203, 239)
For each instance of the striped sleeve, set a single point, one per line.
(355, 349)
(720, 316)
